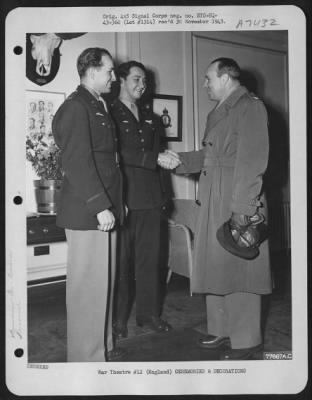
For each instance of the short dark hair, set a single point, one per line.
(91, 57)
(227, 66)
(123, 69)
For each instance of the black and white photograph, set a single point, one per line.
(158, 187)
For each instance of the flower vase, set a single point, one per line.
(47, 194)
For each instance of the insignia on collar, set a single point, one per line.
(254, 96)
(149, 121)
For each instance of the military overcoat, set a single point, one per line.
(231, 164)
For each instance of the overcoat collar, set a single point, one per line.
(220, 113)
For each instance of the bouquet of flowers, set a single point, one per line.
(44, 155)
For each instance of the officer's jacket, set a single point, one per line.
(92, 180)
(139, 143)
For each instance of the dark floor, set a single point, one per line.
(47, 323)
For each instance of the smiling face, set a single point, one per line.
(214, 84)
(133, 87)
(102, 77)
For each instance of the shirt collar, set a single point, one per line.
(127, 102)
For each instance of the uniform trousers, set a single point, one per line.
(237, 316)
(138, 261)
(89, 294)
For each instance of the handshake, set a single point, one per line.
(168, 159)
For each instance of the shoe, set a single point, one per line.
(241, 354)
(115, 354)
(156, 324)
(120, 330)
(213, 342)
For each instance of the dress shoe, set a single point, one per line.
(120, 330)
(116, 354)
(156, 324)
(241, 354)
(213, 342)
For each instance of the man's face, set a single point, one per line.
(104, 75)
(214, 83)
(133, 87)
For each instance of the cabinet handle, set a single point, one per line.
(45, 230)
(31, 232)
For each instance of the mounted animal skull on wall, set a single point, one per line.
(43, 55)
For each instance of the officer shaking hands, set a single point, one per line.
(139, 240)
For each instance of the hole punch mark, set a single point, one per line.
(18, 200)
(18, 50)
(19, 353)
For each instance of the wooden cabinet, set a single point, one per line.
(46, 249)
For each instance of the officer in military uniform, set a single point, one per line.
(232, 163)
(139, 139)
(90, 207)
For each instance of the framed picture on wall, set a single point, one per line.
(169, 110)
(40, 109)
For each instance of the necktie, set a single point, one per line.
(102, 106)
(134, 110)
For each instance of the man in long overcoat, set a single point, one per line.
(90, 207)
(231, 164)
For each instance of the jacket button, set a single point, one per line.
(140, 131)
(127, 130)
(198, 202)
(204, 143)
(142, 140)
(210, 143)
(103, 123)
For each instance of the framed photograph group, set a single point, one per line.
(40, 109)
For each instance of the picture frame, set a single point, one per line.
(40, 109)
(169, 110)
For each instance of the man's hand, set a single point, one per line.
(245, 230)
(168, 160)
(106, 220)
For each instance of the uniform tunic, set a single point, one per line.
(92, 179)
(139, 146)
(231, 165)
